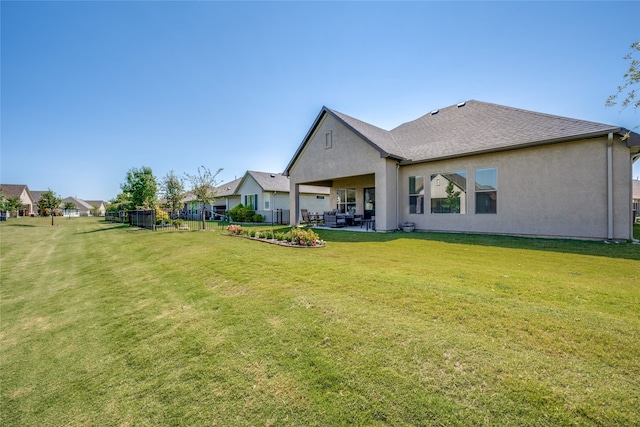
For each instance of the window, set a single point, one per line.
(267, 201)
(251, 200)
(346, 200)
(416, 194)
(486, 191)
(449, 192)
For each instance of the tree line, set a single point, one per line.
(141, 190)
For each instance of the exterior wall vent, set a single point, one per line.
(462, 104)
(434, 112)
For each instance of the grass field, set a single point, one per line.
(110, 326)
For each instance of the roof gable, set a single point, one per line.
(80, 204)
(15, 190)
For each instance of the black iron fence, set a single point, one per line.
(149, 219)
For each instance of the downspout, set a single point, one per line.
(397, 196)
(633, 160)
(610, 187)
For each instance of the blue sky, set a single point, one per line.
(93, 89)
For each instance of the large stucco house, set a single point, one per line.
(474, 167)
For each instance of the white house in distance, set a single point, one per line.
(97, 207)
(82, 208)
(518, 172)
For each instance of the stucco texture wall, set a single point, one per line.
(557, 190)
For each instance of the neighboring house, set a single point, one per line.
(97, 207)
(636, 199)
(82, 208)
(37, 194)
(22, 193)
(268, 194)
(518, 172)
(226, 197)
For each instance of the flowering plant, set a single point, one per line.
(303, 237)
(235, 229)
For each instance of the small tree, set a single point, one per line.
(173, 191)
(627, 91)
(452, 202)
(48, 203)
(203, 186)
(69, 206)
(140, 187)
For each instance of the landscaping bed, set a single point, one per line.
(296, 237)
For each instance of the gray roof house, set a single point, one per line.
(82, 208)
(268, 194)
(515, 172)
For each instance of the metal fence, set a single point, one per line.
(147, 219)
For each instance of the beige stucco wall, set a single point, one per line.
(557, 190)
(349, 162)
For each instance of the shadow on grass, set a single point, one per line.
(98, 230)
(579, 247)
(21, 225)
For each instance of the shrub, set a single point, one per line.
(304, 237)
(242, 213)
(257, 218)
(266, 234)
(161, 216)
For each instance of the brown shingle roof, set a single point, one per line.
(475, 127)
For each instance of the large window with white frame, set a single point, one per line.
(267, 201)
(449, 192)
(416, 194)
(486, 187)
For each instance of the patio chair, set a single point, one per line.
(305, 216)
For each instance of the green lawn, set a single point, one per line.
(106, 325)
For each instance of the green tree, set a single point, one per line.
(122, 202)
(203, 186)
(140, 187)
(452, 202)
(172, 188)
(3, 200)
(48, 204)
(14, 204)
(626, 94)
